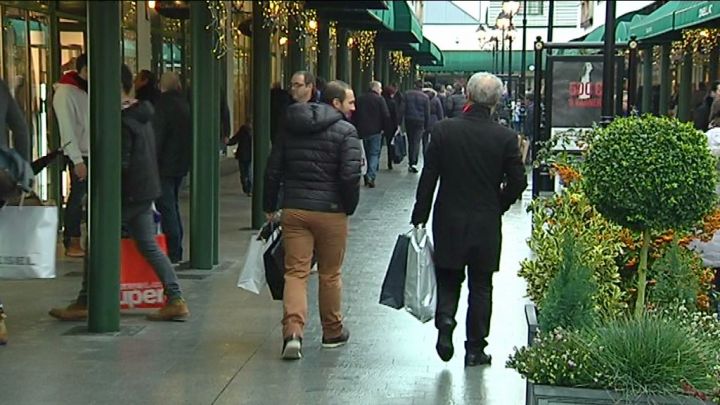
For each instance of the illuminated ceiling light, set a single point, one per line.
(151, 4)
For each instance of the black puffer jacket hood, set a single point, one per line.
(311, 118)
(140, 177)
(316, 161)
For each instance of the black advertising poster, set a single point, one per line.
(576, 92)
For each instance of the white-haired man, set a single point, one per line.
(482, 175)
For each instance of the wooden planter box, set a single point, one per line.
(553, 395)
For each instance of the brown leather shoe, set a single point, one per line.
(73, 312)
(175, 310)
(75, 249)
(3, 329)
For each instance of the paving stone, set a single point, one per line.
(228, 352)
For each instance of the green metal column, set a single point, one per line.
(261, 110)
(104, 217)
(366, 77)
(685, 96)
(647, 80)
(204, 139)
(323, 53)
(714, 64)
(56, 169)
(296, 50)
(156, 43)
(343, 67)
(378, 65)
(386, 78)
(216, 158)
(664, 79)
(356, 71)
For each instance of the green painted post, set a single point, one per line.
(714, 64)
(356, 71)
(104, 217)
(343, 57)
(323, 53)
(261, 111)
(378, 65)
(684, 98)
(386, 78)
(203, 106)
(647, 80)
(56, 169)
(296, 50)
(664, 79)
(217, 81)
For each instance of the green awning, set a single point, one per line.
(428, 54)
(405, 27)
(660, 22)
(622, 31)
(697, 13)
(359, 15)
(478, 61)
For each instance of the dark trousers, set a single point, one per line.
(169, 207)
(245, 167)
(415, 130)
(74, 207)
(449, 283)
(390, 150)
(138, 218)
(425, 141)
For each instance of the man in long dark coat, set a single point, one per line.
(481, 175)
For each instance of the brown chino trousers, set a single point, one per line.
(326, 235)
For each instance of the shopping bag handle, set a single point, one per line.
(418, 237)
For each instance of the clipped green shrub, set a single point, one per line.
(676, 280)
(599, 241)
(650, 173)
(569, 300)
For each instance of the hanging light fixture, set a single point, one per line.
(503, 21)
(511, 7)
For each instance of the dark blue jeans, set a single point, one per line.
(138, 218)
(74, 207)
(373, 147)
(245, 167)
(171, 221)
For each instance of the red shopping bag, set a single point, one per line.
(139, 286)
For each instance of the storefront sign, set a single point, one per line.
(576, 92)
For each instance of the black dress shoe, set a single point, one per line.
(371, 184)
(477, 359)
(444, 346)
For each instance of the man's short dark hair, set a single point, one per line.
(81, 62)
(336, 89)
(307, 76)
(715, 85)
(149, 76)
(126, 78)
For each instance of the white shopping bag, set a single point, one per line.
(363, 159)
(28, 240)
(252, 275)
(420, 283)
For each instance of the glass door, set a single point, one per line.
(39, 63)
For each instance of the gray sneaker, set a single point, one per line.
(292, 348)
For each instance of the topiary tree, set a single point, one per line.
(650, 174)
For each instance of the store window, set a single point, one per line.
(129, 31)
(535, 7)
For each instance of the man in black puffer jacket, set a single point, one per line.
(317, 161)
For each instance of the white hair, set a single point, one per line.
(375, 86)
(485, 89)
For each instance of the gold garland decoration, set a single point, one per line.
(401, 64)
(701, 40)
(217, 25)
(364, 41)
(279, 15)
(129, 19)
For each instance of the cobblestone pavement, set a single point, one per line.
(229, 351)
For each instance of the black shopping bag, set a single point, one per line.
(274, 260)
(393, 288)
(400, 147)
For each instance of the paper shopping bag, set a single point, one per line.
(139, 286)
(252, 275)
(28, 240)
